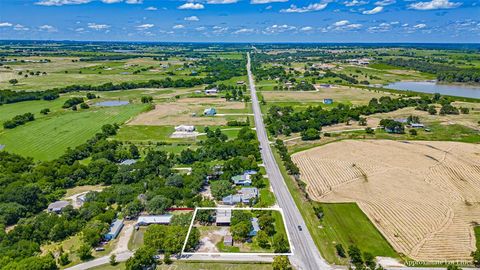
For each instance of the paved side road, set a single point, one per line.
(305, 253)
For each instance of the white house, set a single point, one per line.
(160, 219)
(211, 91)
(185, 128)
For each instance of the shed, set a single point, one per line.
(115, 229)
(57, 207)
(210, 112)
(211, 91)
(327, 101)
(223, 217)
(228, 240)
(159, 219)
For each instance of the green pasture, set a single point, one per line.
(48, 137)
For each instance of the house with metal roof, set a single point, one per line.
(115, 229)
(245, 195)
(223, 217)
(210, 112)
(244, 179)
(159, 219)
(255, 227)
(211, 91)
(57, 207)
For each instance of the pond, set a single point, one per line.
(112, 103)
(431, 87)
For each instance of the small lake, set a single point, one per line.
(112, 103)
(432, 87)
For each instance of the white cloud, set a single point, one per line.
(244, 31)
(341, 23)
(178, 26)
(47, 28)
(385, 2)
(267, 1)
(306, 28)
(151, 8)
(420, 26)
(61, 2)
(274, 29)
(375, 10)
(19, 27)
(5, 24)
(80, 29)
(191, 6)
(111, 1)
(435, 4)
(201, 28)
(97, 27)
(145, 26)
(219, 29)
(309, 8)
(354, 3)
(134, 2)
(192, 19)
(221, 1)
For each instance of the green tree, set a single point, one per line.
(432, 110)
(240, 231)
(221, 188)
(453, 267)
(263, 240)
(166, 258)
(113, 260)
(476, 258)
(412, 132)
(45, 111)
(84, 252)
(280, 243)
(340, 250)
(158, 204)
(142, 259)
(310, 134)
(369, 260)
(63, 259)
(281, 263)
(13, 81)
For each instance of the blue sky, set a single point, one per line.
(243, 20)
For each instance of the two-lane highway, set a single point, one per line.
(305, 252)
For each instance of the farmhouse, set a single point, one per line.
(327, 101)
(243, 179)
(211, 91)
(184, 128)
(223, 217)
(210, 112)
(57, 207)
(115, 229)
(160, 219)
(245, 195)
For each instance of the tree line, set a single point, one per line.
(18, 120)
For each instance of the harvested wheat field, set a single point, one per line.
(424, 197)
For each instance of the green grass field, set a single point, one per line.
(477, 235)
(48, 137)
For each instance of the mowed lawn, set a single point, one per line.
(197, 265)
(345, 223)
(48, 137)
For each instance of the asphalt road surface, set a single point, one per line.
(305, 252)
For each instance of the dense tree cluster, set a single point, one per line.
(18, 120)
(8, 96)
(285, 120)
(446, 73)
